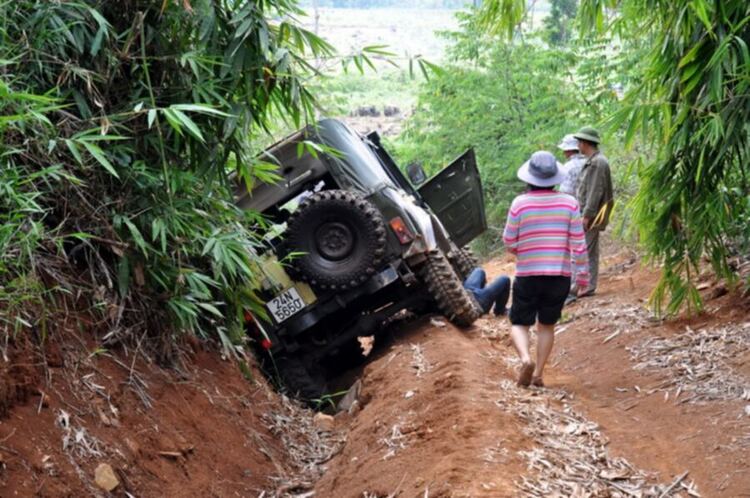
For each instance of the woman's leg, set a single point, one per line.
(520, 337)
(519, 334)
(522, 315)
(545, 339)
(555, 292)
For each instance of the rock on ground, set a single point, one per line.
(105, 477)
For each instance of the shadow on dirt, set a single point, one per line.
(347, 367)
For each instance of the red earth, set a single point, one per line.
(203, 432)
(439, 415)
(434, 433)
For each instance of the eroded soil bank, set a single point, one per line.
(207, 430)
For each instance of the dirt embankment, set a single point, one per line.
(431, 423)
(80, 420)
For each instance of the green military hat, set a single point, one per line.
(589, 134)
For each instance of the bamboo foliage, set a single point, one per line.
(690, 100)
(693, 102)
(121, 122)
(502, 16)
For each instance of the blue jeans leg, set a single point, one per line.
(499, 292)
(475, 283)
(476, 279)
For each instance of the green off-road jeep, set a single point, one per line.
(358, 244)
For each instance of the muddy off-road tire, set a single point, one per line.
(300, 381)
(341, 237)
(463, 261)
(446, 288)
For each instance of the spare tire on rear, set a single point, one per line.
(339, 238)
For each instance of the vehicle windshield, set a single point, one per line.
(357, 163)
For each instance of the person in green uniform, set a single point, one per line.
(595, 197)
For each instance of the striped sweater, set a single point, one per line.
(545, 232)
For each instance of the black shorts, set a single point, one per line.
(538, 297)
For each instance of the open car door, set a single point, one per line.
(455, 196)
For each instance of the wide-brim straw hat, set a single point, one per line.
(541, 170)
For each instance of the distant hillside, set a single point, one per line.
(405, 31)
(378, 4)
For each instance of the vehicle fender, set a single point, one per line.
(424, 229)
(418, 220)
(442, 237)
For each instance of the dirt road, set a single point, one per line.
(633, 407)
(443, 417)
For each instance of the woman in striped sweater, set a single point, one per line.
(543, 230)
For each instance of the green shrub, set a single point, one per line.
(515, 101)
(116, 184)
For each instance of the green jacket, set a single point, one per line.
(595, 190)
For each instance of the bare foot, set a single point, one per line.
(525, 373)
(537, 381)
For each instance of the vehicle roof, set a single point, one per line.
(353, 165)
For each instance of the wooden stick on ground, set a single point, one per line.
(611, 336)
(674, 484)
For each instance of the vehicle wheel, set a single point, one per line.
(301, 381)
(447, 290)
(463, 261)
(341, 237)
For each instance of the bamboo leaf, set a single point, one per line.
(97, 43)
(100, 156)
(123, 276)
(690, 55)
(201, 108)
(212, 309)
(701, 10)
(174, 121)
(136, 234)
(73, 148)
(188, 123)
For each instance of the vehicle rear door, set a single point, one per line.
(455, 196)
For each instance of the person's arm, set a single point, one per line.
(510, 234)
(577, 246)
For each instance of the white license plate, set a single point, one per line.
(285, 305)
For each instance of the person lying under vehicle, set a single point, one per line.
(495, 294)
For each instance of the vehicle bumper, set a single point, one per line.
(309, 317)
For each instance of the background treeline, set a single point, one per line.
(377, 4)
(668, 83)
(509, 98)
